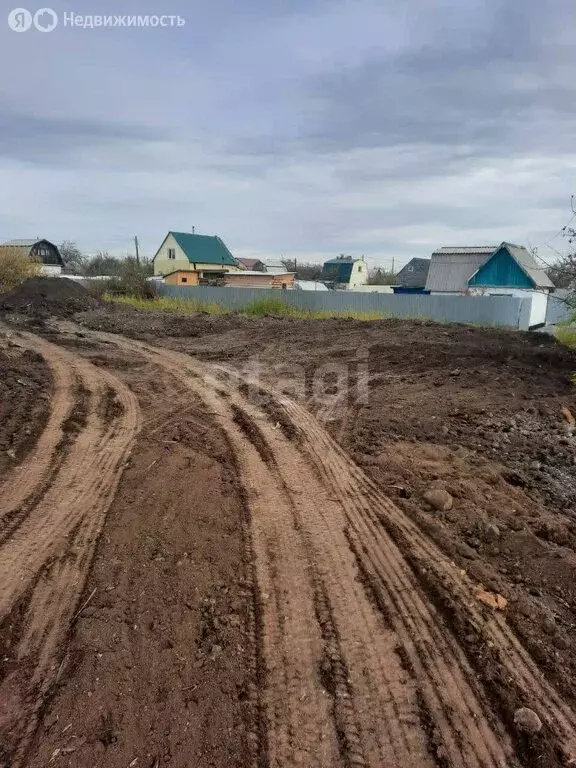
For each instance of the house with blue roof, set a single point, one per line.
(501, 270)
(344, 272)
(185, 251)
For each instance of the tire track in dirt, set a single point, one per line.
(34, 472)
(374, 521)
(296, 705)
(319, 526)
(465, 736)
(45, 562)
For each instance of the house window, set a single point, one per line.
(360, 268)
(171, 253)
(184, 279)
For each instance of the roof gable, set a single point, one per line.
(203, 249)
(511, 266)
(414, 273)
(501, 269)
(337, 271)
(251, 263)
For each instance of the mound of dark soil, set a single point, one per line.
(48, 296)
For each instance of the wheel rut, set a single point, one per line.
(57, 503)
(361, 667)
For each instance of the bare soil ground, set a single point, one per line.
(25, 388)
(220, 552)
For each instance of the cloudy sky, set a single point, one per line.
(298, 127)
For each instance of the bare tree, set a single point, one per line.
(563, 271)
(74, 259)
(304, 271)
(382, 276)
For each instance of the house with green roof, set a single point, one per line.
(188, 251)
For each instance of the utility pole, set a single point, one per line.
(137, 251)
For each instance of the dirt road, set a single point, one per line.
(319, 523)
(364, 644)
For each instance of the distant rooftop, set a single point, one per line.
(259, 273)
(466, 250)
(414, 273)
(204, 249)
(248, 263)
(25, 243)
(451, 268)
(342, 258)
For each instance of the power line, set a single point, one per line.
(565, 227)
(561, 231)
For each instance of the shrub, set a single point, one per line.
(566, 334)
(15, 267)
(98, 288)
(131, 281)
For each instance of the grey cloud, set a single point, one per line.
(499, 90)
(283, 128)
(48, 140)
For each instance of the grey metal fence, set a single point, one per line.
(504, 311)
(558, 311)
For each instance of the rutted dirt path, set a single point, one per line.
(53, 509)
(360, 674)
(369, 646)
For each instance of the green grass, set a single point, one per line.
(269, 306)
(566, 334)
(256, 308)
(168, 304)
(276, 306)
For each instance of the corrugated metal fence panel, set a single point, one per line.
(558, 311)
(481, 310)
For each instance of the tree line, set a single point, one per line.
(101, 263)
